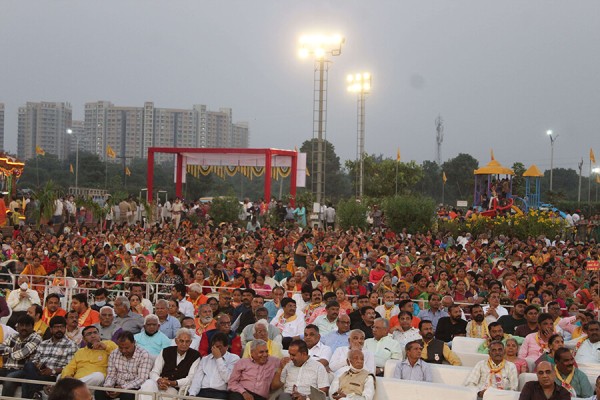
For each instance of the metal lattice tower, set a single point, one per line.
(439, 127)
(321, 72)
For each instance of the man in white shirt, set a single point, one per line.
(290, 324)
(356, 341)
(388, 309)
(494, 372)
(178, 292)
(404, 332)
(587, 351)
(299, 375)
(19, 300)
(382, 345)
(494, 310)
(214, 370)
(353, 382)
(316, 349)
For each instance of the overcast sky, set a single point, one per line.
(499, 72)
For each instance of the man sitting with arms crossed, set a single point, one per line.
(51, 357)
(545, 388)
(353, 382)
(174, 367)
(128, 368)
(413, 368)
(494, 372)
(300, 374)
(89, 364)
(214, 370)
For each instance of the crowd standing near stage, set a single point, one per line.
(240, 311)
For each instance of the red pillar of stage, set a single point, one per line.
(293, 178)
(150, 176)
(179, 176)
(268, 163)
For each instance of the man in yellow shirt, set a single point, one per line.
(90, 363)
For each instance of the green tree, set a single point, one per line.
(335, 180)
(413, 212)
(460, 178)
(518, 182)
(431, 183)
(351, 214)
(380, 175)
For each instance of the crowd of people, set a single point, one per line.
(222, 311)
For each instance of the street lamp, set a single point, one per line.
(552, 140)
(70, 132)
(361, 85)
(319, 47)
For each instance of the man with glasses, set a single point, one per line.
(90, 363)
(545, 388)
(223, 323)
(339, 337)
(413, 368)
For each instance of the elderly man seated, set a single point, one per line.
(353, 381)
(382, 345)
(126, 319)
(251, 378)
(151, 338)
(260, 332)
(413, 368)
(173, 368)
(356, 341)
(247, 333)
(494, 372)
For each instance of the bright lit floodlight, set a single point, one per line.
(320, 45)
(359, 83)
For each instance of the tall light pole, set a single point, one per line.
(361, 85)
(552, 140)
(319, 47)
(70, 132)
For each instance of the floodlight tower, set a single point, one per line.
(439, 127)
(361, 85)
(320, 47)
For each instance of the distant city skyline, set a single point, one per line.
(499, 73)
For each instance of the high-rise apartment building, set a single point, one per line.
(129, 131)
(78, 133)
(1, 126)
(43, 125)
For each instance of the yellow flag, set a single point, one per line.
(492, 154)
(597, 178)
(398, 155)
(127, 171)
(40, 151)
(307, 173)
(592, 157)
(110, 152)
(71, 168)
(444, 179)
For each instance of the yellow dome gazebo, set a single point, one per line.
(533, 198)
(483, 180)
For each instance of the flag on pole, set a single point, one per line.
(444, 179)
(110, 152)
(127, 171)
(492, 154)
(398, 155)
(307, 173)
(40, 151)
(71, 168)
(592, 157)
